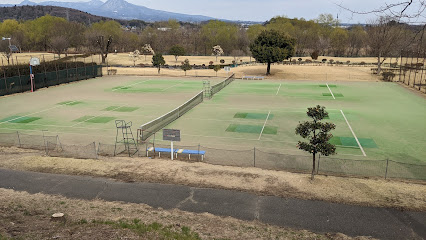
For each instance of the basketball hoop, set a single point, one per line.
(34, 62)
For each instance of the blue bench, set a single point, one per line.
(176, 151)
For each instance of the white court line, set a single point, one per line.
(264, 125)
(97, 116)
(278, 89)
(38, 112)
(170, 87)
(331, 92)
(130, 85)
(359, 144)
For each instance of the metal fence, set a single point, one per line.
(254, 157)
(10, 85)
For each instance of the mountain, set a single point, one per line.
(119, 9)
(28, 12)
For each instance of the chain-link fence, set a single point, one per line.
(22, 83)
(253, 157)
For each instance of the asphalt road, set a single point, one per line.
(316, 216)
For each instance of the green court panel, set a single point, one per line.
(70, 103)
(93, 119)
(251, 129)
(19, 119)
(335, 94)
(329, 85)
(253, 116)
(351, 142)
(120, 109)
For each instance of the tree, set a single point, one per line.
(217, 51)
(317, 133)
(186, 66)
(147, 49)
(134, 56)
(177, 51)
(384, 38)
(104, 46)
(5, 50)
(216, 68)
(59, 44)
(272, 46)
(158, 61)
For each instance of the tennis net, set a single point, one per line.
(217, 87)
(148, 129)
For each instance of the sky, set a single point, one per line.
(258, 10)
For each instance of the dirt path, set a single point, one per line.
(366, 192)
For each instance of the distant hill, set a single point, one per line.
(30, 12)
(119, 9)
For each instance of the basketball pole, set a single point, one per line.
(31, 77)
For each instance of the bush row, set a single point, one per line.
(52, 66)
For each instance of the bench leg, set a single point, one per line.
(189, 156)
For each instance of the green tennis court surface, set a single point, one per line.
(121, 109)
(94, 119)
(253, 115)
(387, 119)
(251, 129)
(19, 119)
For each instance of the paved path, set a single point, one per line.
(316, 216)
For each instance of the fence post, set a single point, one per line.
(198, 155)
(254, 157)
(19, 139)
(387, 164)
(319, 158)
(94, 148)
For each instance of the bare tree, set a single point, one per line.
(5, 50)
(384, 39)
(103, 46)
(59, 44)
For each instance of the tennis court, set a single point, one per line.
(85, 111)
(375, 120)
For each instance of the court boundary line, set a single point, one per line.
(171, 87)
(130, 85)
(97, 116)
(331, 92)
(267, 117)
(278, 89)
(353, 133)
(61, 105)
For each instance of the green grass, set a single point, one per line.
(93, 119)
(251, 129)
(19, 119)
(120, 109)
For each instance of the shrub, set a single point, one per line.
(211, 62)
(348, 62)
(331, 61)
(388, 76)
(362, 63)
(299, 59)
(324, 60)
(314, 55)
(222, 61)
